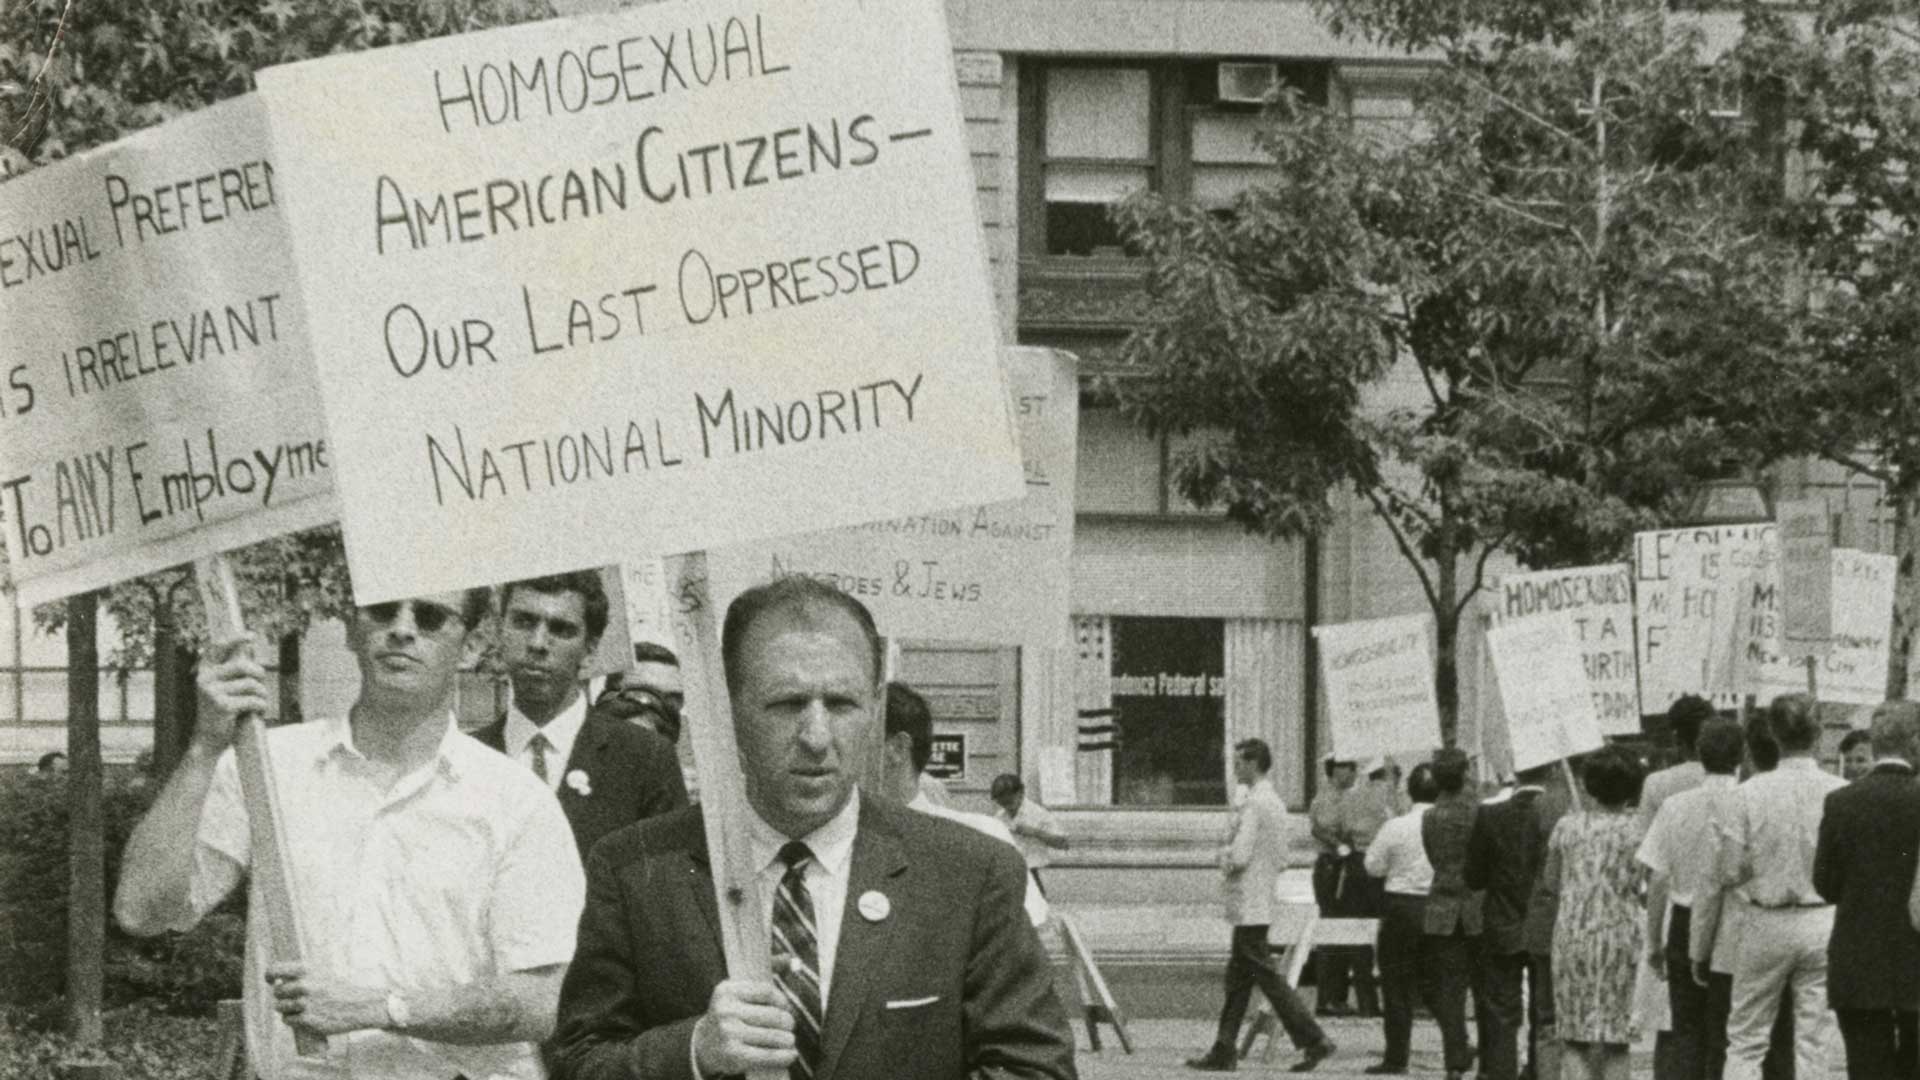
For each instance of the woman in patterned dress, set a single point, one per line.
(1597, 933)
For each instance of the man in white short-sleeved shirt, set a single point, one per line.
(437, 883)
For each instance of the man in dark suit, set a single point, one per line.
(1505, 850)
(605, 771)
(1864, 865)
(900, 946)
(1453, 906)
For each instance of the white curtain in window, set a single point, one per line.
(1263, 669)
(1093, 689)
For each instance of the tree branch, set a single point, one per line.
(1406, 548)
(1882, 474)
(1480, 572)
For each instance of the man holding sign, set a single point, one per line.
(900, 947)
(437, 877)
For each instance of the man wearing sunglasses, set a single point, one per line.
(436, 881)
(606, 772)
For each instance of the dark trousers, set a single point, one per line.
(1777, 1065)
(1880, 1043)
(1436, 968)
(1498, 1009)
(1252, 964)
(1694, 1051)
(1342, 890)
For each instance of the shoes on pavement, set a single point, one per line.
(1313, 1056)
(1384, 1069)
(1333, 1009)
(1214, 1060)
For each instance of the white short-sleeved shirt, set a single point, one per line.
(1032, 814)
(1680, 844)
(463, 869)
(1399, 854)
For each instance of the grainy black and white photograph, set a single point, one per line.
(959, 539)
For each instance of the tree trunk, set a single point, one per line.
(1446, 622)
(1906, 593)
(86, 848)
(289, 681)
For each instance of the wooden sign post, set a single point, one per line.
(221, 599)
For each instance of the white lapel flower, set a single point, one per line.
(577, 780)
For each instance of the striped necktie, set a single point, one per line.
(539, 744)
(796, 957)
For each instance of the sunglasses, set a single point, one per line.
(428, 617)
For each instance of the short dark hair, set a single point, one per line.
(47, 760)
(1859, 736)
(1420, 784)
(1896, 724)
(474, 605)
(1333, 763)
(1612, 776)
(1719, 746)
(793, 593)
(646, 652)
(586, 583)
(1795, 722)
(1004, 785)
(1256, 751)
(1450, 769)
(1685, 717)
(907, 712)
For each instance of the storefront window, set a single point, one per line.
(1168, 690)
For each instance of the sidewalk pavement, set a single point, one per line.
(1160, 1048)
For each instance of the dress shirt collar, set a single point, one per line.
(561, 731)
(1716, 781)
(831, 843)
(1893, 764)
(1799, 763)
(337, 741)
(921, 803)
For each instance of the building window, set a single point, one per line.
(1096, 132)
(1168, 688)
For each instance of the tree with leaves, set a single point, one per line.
(74, 76)
(1555, 253)
(1842, 78)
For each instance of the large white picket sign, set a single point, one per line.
(1000, 572)
(158, 402)
(1806, 575)
(1597, 604)
(1691, 588)
(662, 280)
(1379, 682)
(1545, 693)
(1854, 669)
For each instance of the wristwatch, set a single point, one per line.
(398, 1015)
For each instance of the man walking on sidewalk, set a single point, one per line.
(1251, 862)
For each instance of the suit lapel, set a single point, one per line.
(700, 883)
(878, 858)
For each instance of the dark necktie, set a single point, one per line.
(796, 957)
(539, 744)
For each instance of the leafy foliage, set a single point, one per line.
(1556, 262)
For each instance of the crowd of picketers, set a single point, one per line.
(1737, 904)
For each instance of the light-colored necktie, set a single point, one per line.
(539, 744)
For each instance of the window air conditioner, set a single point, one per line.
(1248, 84)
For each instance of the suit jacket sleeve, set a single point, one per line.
(1014, 1025)
(600, 1034)
(1480, 854)
(1829, 875)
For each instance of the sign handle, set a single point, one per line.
(716, 758)
(221, 599)
(1573, 785)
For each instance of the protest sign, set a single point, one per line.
(1379, 682)
(999, 572)
(1597, 602)
(655, 281)
(1688, 588)
(949, 759)
(1544, 689)
(1854, 669)
(1806, 577)
(159, 400)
